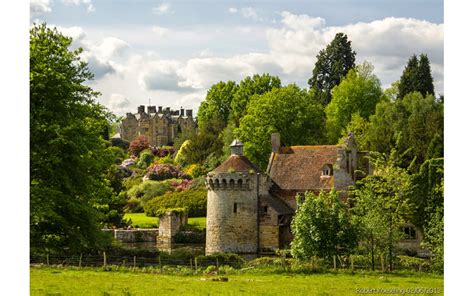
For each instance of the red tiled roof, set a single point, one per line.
(236, 163)
(299, 167)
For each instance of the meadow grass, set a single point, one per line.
(140, 220)
(88, 281)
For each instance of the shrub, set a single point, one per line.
(229, 259)
(163, 151)
(160, 172)
(139, 144)
(195, 170)
(146, 158)
(194, 200)
(198, 184)
(414, 263)
(134, 206)
(150, 189)
(121, 143)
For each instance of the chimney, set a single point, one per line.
(141, 109)
(151, 109)
(275, 142)
(189, 113)
(160, 109)
(182, 111)
(168, 110)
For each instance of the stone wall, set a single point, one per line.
(135, 235)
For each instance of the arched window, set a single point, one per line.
(224, 183)
(216, 182)
(231, 183)
(326, 170)
(239, 183)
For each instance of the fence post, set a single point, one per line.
(195, 263)
(80, 260)
(159, 262)
(47, 259)
(381, 262)
(105, 259)
(334, 262)
(191, 263)
(217, 265)
(352, 263)
(134, 261)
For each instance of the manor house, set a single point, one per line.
(250, 211)
(160, 126)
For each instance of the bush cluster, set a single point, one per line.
(194, 200)
(160, 172)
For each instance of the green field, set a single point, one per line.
(140, 220)
(63, 281)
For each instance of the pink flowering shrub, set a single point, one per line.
(160, 172)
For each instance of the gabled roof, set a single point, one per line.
(236, 163)
(299, 167)
(277, 204)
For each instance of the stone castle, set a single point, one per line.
(250, 211)
(160, 126)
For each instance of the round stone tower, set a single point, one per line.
(232, 205)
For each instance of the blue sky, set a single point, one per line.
(172, 51)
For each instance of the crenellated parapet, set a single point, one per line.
(229, 181)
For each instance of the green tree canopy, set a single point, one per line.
(288, 110)
(216, 108)
(332, 64)
(68, 157)
(416, 77)
(359, 92)
(322, 227)
(255, 85)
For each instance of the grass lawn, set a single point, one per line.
(63, 281)
(140, 220)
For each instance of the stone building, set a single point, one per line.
(250, 211)
(160, 126)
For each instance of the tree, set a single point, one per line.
(383, 204)
(359, 92)
(256, 85)
(332, 64)
(138, 144)
(216, 108)
(416, 77)
(287, 110)
(68, 157)
(322, 227)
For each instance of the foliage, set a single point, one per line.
(358, 93)
(416, 122)
(360, 127)
(138, 144)
(146, 158)
(119, 142)
(160, 172)
(428, 196)
(383, 204)
(287, 110)
(163, 151)
(416, 77)
(178, 211)
(68, 158)
(150, 189)
(180, 158)
(249, 86)
(230, 259)
(195, 170)
(215, 110)
(413, 263)
(332, 64)
(322, 227)
(194, 200)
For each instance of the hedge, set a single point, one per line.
(194, 200)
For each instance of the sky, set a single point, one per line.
(170, 53)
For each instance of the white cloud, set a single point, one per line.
(162, 9)
(119, 103)
(162, 74)
(301, 22)
(249, 12)
(233, 10)
(39, 7)
(160, 31)
(87, 3)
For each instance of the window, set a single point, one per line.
(235, 207)
(327, 170)
(265, 209)
(409, 232)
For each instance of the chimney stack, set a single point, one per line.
(189, 113)
(182, 111)
(141, 109)
(275, 142)
(160, 109)
(151, 109)
(168, 110)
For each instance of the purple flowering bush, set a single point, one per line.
(160, 172)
